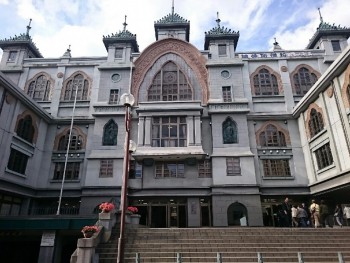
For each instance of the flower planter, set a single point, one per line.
(135, 219)
(88, 234)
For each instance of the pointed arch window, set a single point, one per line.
(229, 131)
(76, 142)
(265, 83)
(80, 82)
(272, 137)
(170, 84)
(110, 133)
(25, 128)
(315, 123)
(39, 89)
(303, 81)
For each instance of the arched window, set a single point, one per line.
(265, 83)
(110, 133)
(170, 84)
(229, 131)
(76, 141)
(76, 82)
(272, 137)
(39, 89)
(25, 128)
(315, 122)
(303, 81)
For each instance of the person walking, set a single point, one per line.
(347, 214)
(338, 215)
(315, 213)
(302, 216)
(295, 222)
(286, 207)
(324, 213)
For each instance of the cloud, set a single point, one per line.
(82, 23)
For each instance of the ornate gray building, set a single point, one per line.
(222, 136)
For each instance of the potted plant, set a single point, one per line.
(106, 207)
(88, 231)
(134, 217)
(132, 209)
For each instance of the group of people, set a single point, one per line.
(317, 215)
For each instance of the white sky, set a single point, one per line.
(82, 23)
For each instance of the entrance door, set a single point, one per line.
(237, 215)
(158, 216)
(177, 216)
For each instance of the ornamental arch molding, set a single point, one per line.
(189, 53)
(34, 123)
(296, 70)
(308, 117)
(35, 77)
(279, 129)
(65, 131)
(345, 91)
(272, 72)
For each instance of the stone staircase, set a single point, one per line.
(234, 245)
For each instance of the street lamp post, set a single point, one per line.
(128, 100)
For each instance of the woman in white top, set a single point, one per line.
(294, 216)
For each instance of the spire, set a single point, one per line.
(276, 46)
(29, 27)
(321, 19)
(67, 54)
(124, 25)
(172, 9)
(218, 19)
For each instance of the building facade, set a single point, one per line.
(222, 136)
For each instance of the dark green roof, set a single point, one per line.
(22, 39)
(220, 33)
(326, 29)
(172, 18)
(124, 36)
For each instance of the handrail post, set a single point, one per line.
(178, 258)
(300, 257)
(340, 257)
(137, 258)
(260, 258)
(218, 258)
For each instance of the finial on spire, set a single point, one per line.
(276, 43)
(319, 11)
(124, 24)
(68, 49)
(172, 9)
(28, 27)
(218, 19)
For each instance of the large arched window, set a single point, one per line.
(25, 128)
(110, 133)
(229, 131)
(265, 83)
(303, 80)
(77, 81)
(272, 137)
(76, 142)
(39, 89)
(170, 84)
(315, 122)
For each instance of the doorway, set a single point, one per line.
(237, 215)
(159, 216)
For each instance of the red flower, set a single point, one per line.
(106, 207)
(90, 229)
(133, 209)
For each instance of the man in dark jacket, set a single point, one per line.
(286, 207)
(324, 213)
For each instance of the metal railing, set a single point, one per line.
(219, 258)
